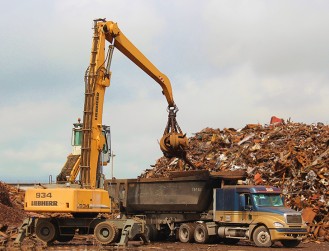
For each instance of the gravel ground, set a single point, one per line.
(241, 246)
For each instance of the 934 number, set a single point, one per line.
(43, 195)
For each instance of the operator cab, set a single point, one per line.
(76, 141)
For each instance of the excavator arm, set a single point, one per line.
(173, 141)
(114, 35)
(97, 78)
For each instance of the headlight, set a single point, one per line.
(277, 224)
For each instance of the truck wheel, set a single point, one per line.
(186, 232)
(262, 237)
(46, 231)
(105, 232)
(290, 243)
(201, 234)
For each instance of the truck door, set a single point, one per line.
(246, 208)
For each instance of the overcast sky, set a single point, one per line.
(230, 63)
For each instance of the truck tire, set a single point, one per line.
(105, 232)
(201, 234)
(186, 232)
(46, 230)
(290, 243)
(262, 237)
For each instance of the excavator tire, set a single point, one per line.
(105, 232)
(46, 230)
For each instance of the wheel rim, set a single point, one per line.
(263, 237)
(105, 232)
(199, 234)
(46, 231)
(185, 233)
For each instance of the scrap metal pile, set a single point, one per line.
(292, 156)
(11, 211)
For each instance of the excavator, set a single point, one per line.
(83, 204)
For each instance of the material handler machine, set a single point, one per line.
(86, 202)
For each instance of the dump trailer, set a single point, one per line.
(199, 206)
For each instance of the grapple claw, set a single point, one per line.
(173, 142)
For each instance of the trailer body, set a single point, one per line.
(197, 206)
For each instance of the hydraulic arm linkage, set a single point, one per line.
(173, 142)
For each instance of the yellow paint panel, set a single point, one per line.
(67, 200)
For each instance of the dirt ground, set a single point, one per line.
(77, 245)
(241, 246)
(199, 247)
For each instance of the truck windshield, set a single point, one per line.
(267, 200)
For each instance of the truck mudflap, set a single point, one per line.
(288, 233)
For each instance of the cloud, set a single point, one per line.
(230, 63)
(35, 135)
(272, 36)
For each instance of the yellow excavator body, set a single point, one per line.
(67, 200)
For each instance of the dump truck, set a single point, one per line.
(201, 206)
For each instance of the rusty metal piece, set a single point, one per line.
(308, 214)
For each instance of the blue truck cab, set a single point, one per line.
(258, 214)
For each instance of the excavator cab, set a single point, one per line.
(71, 168)
(76, 141)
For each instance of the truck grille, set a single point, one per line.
(294, 218)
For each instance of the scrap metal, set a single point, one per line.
(289, 155)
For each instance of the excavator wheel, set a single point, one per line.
(105, 232)
(46, 230)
